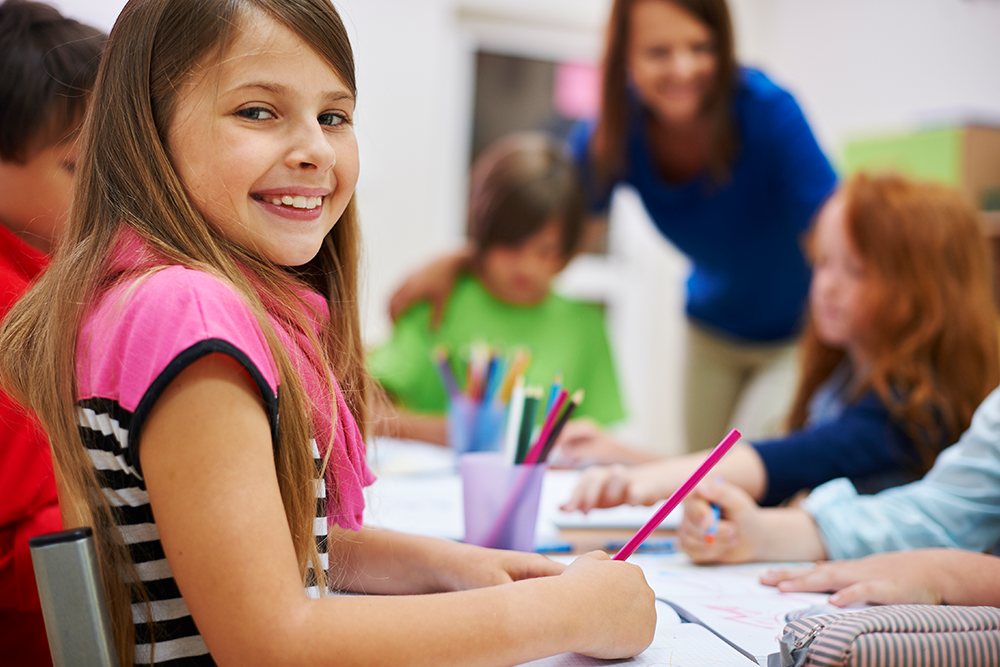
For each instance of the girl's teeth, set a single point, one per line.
(297, 201)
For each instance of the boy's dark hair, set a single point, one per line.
(520, 184)
(48, 65)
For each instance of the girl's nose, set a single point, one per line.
(311, 149)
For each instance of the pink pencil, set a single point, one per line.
(677, 496)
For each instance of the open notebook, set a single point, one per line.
(709, 615)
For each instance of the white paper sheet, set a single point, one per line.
(730, 599)
(676, 644)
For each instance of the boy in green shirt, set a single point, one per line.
(525, 218)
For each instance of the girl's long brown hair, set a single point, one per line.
(125, 177)
(608, 145)
(932, 340)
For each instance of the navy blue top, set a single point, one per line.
(749, 277)
(863, 443)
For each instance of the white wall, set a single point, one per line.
(855, 65)
(864, 66)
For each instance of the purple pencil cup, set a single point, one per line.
(500, 501)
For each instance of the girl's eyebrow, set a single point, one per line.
(283, 90)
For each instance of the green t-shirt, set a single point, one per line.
(564, 337)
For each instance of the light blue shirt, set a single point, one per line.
(957, 504)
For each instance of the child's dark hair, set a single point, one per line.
(520, 184)
(48, 64)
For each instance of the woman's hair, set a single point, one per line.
(126, 178)
(610, 138)
(48, 64)
(932, 341)
(520, 184)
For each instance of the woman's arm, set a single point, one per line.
(208, 463)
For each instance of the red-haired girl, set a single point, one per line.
(900, 348)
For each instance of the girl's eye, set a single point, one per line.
(332, 119)
(255, 113)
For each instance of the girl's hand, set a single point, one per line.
(892, 578)
(467, 566)
(616, 616)
(583, 442)
(609, 486)
(432, 282)
(737, 532)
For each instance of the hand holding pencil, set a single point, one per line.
(736, 531)
(678, 496)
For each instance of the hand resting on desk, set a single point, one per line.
(922, 576)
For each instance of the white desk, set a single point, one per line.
(420, 492)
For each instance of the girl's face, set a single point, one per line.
(671, 60)
(837, 295)
(522, 275)
(264, 143)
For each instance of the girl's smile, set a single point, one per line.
(292, 203)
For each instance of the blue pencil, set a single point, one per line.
(712, 530)
(553, 392)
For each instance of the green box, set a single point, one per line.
(966, 157)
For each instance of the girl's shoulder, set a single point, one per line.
(174, 296)
(166, 317)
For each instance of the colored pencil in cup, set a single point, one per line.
(515, 413)
(560, 424)
(444, 370)
(677, 496)
(532, 396)
(547, 426)
(516, 369)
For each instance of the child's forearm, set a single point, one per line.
(741, 467)
(787, 533)
(968, 578)
(396, 422)
(497, 625)
(378, 561)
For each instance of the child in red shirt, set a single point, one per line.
(49, 63)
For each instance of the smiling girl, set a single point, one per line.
(194, 356)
